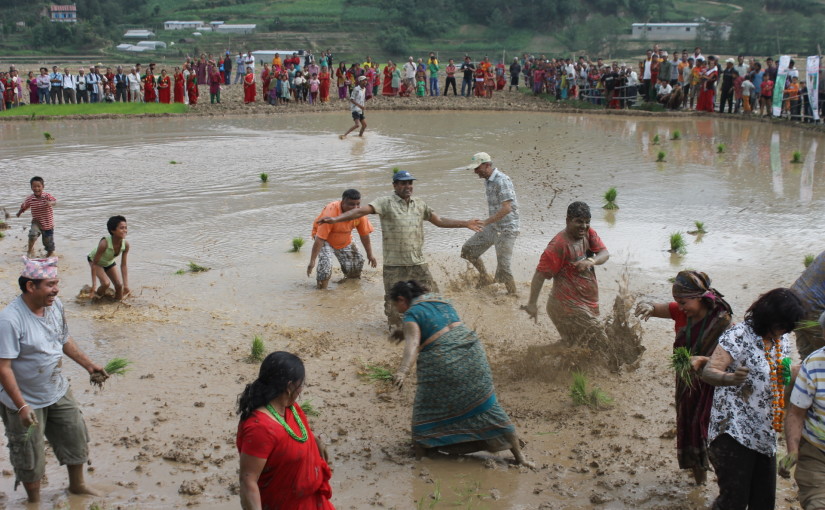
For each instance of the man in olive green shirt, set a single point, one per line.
(402, 233)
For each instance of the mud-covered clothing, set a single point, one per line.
(431, 315)
(810, 287)
(42, 212)
(746, 478)
(402, 229)
(572, 289)
(744, 412)
(504, 241)
(61, 423)
(810, 476)
(395, 274)
(809, 393)
(295, 476)
(499, 189)
(35, 346)
(351, 260)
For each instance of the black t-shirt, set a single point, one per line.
(467, 68)
(515, 68)
(610, 80)
(727, 78)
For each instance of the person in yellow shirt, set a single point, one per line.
(276, 61)
(336, 239)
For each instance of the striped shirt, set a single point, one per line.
(809, 393)
(499, 189)
(41, 210)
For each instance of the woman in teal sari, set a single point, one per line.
(455, 410)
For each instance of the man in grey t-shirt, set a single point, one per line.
(500, 228)
(35, 396)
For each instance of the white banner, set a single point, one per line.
(812, 79)
(779, 86)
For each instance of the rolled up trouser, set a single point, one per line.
(481, 241)
(351, 260)
(810, 476)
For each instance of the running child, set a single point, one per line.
(41, 204)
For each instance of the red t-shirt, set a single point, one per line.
(572, 288)
(678, 316)
(295, 476)
(41, 210)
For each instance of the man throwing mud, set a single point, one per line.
(810, 287)
(36, 398)
(569, 260)
(402, 232)
(336, 239)
(500, 229)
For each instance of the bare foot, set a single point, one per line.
(84, 490)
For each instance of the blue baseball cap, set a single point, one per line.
(402, 175)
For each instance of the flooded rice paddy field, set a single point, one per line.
(163, 434)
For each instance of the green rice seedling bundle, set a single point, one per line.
(677, 243)
(297, 243)
(610, 198)
(797, 157)
(258, 350)
(264, 177)
(375, 373)
(809, 259)
(680, 362)
(195, 268)
(660, 157)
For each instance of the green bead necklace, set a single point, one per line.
(280, 419)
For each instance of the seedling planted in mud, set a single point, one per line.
(797, 157)
(680, 362)
(431, 500)
(678, 244)
(809, 259)
(297, 243)
(258, 350)
(309, 409)
(720, 148)
(48, 136)
(180, 271)
(173, 162)
(676, 135)
(581, 396)
(610, 198)
(656, 140)
(375, 373)
(700, 228)
(195, 268)
(264, 176)
(660, 157)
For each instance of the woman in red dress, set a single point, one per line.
(283, 464)
(249, 86)
(32, 81)
(164, 88)
(478, 76)
(324, 77)
(707, 88)
(192, 87)
(180, 85)
(388, 69)
(149, 94)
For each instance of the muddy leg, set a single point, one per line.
(420, 451)
(32, 491)
(474, 248)
(76, 483)
(515, 448)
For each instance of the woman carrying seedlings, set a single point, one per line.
(283, 464)
(102, 260)
(455, 407)
(750, 370)
(700, 316)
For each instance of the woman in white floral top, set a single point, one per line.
(747, 404)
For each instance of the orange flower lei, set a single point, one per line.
(777, 388)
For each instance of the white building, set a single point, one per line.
(131, 48)
(235, 29)
(673, 31)
(152, 45)
(139, 34)
(182, 25)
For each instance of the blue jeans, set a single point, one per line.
(468, 83)
(43, 96)
(433, 85)
(93, 97)
(238, 76)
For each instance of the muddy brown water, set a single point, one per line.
(167, 425)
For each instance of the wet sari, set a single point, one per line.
(694, 401)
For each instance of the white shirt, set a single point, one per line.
(646, 75)
(665, 90)
(358, 95)
(250, 61)
(633, 79)
(134, 81)
(69, 81)
(409, 70)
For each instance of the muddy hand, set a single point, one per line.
(643, 310)
(697, 363)
(532, 311)
(741, 375)
(27, 417)
(475, 225)
(398, 380)
(325, 219)
(787, 463)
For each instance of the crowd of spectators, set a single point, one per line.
(680, 80)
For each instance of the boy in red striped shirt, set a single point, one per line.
(41, 204)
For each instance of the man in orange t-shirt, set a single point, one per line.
(336, 238)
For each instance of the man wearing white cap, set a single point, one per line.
(35, 397)
(357, 100)
(500, 228)
(728, 77)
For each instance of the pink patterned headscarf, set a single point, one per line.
(40, 269)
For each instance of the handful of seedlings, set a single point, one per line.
(116, 366)
(680, 362)
(583, 396)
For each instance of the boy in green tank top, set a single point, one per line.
(102, 260)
